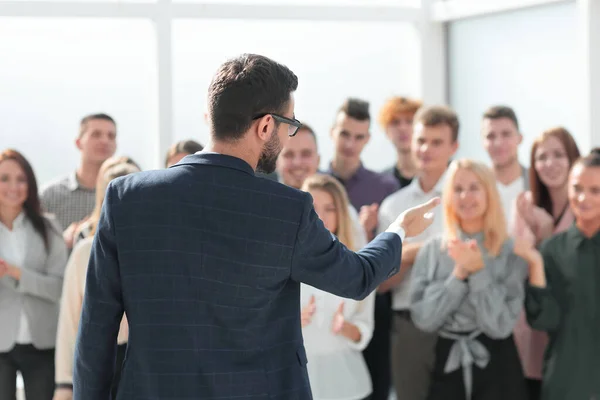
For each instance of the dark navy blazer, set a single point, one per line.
(206, 260)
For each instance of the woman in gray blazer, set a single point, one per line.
(33, 256)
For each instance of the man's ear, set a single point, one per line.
(264, 127)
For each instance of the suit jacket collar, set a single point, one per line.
(216, 159)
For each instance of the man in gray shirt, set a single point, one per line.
(72, 197)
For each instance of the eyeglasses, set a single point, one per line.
(294, 124)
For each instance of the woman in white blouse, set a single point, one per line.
(33, 255)
(335, 329)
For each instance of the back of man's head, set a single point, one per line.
(244, 87)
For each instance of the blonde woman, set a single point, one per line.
(335, 330)
(72, 293)
(468, 286)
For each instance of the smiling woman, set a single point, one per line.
(32, 261)
(468, 287)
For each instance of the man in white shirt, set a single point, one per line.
(435, 141)
(501, 139)
(300, 159)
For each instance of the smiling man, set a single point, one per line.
(72, 198)
(366, 190)
(435, 141)
(300, 159)
(501, 140)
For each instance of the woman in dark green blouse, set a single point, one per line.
(566, 301)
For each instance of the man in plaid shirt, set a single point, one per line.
(72, 198)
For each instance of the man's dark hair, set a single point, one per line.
(188, 146)
(91, 117)
(438, 115)
(243, 88)
(591, 160)
(497, 112)
(356, 109)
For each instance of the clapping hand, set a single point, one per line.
(308, 311)
(466, 255)
(537, 219)
(368, 217)
(415, 220)
(338, 319)
(3, 268)
(525, 208)
(7, 269)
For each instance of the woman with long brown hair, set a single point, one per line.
(540, 213)
(335, 330)
(32, 262)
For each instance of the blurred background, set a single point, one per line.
(148, 64)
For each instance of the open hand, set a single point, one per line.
(525, 208)
(416, 219)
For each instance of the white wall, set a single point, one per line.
(527, 59)
(332, 60)
(54, 71)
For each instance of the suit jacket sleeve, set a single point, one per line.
(321, 261)
(102, 310)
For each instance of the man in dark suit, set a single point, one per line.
(206, 260)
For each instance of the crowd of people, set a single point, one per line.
(497, 299)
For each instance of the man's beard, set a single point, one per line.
(268, 158)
